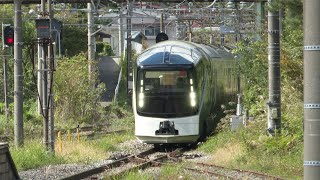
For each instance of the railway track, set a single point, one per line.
(153, 158)
(252, 173)
(119, 167)
(226, 173)
(97, 170)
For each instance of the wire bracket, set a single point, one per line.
(312, 48)
(311, 106)
(312, 163)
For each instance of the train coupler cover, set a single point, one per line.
(167, 128)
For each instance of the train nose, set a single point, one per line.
(166, 128)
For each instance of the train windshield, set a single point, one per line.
(166, 93)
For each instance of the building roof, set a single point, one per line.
(136, 36)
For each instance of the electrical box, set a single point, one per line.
(43, 28)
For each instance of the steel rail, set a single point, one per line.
(209, 172)
(241, 170)
(105, 167)
(145, 163)
(223, 168)
(197, 170)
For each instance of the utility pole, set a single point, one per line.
(18, 76)
(91, 52)
(121, 36)
(274, 104)
(311, 89)
(129, 59)
(50, 80)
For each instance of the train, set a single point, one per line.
(177, 85)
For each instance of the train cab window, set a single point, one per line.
(166, 93)
(180, 55)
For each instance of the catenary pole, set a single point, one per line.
(45, 93)
(121, 36)
(222, 20)
(161, 23)
(18, 76)
(44, 82)
(311, 89)
(50, 81)
(39, 77)
(40, 60)
(90, 41)
(129, 48)
(237, 22)
(274, 104)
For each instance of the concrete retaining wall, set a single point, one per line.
(8, 169)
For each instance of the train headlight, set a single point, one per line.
(193, 99)
(141, 99)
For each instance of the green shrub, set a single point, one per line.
(104, 49)
(253, 63)
(74, 40)
(75, 95)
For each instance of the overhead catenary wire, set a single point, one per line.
(247, 8)
(172, 6)
(212, 4)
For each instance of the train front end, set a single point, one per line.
(165, 97)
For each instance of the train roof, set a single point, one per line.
(180, 52)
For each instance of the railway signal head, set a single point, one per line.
(161, 37)
(8, 35)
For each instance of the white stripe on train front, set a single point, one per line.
(187, 128)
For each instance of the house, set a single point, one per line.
(138, 40)
(147, 23)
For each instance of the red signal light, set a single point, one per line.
(8, 35)
(10, 40)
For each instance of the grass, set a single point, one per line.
(33, 155)
(134, 175)
(109, 142)
(165, 172)
(88, 150)
(173, 172)
(74, 152)
(5, 125)
(252, 149)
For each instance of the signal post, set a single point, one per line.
(7, 41)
